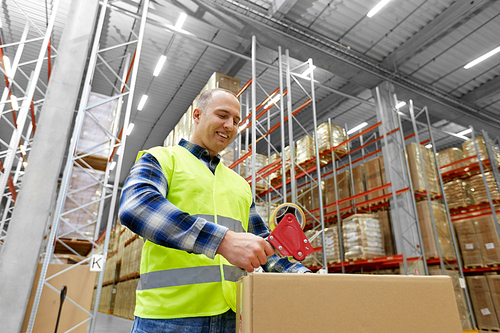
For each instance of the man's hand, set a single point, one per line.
(245, 250)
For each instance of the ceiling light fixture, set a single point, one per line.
(356, 128)
(129, 129)
(400, 104)
(180, 21)
(143, 100)
(467, 131)
(377, 7)
(159, 65)
(482, 58)
(429, 145)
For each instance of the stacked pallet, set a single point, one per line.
(458, 193)
(375, 177)
(343, 189)
(469, 149)
(442, 227)
(246, 170)
(484, 293)
(305, 150)
(478, 240)
(384, 219)
(362, 237)
(332, 248)
(415, 156)
(131, 260)
(459, 296)
(125, 299)
(332, 136)
(448, 156)
(479, 190)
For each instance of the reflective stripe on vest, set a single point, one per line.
(187, 276)
(231, 224)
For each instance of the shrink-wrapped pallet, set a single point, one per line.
(470, 150)
(309, 198)
(105, 299)
(332, 136)
(331, 245)
(442, 227)
(494, 285)
(131, 259)
(343, 188)
(84, 191)
(479, 190)
(417, 170)
(375, 177)
(384, 219)
(311, 259)
(305, 149)
(359, 182)
(246, 170)
(482, 303)
(458, 194)
(468, 242)
(362, 237)
(459, 296)
(277, 174)
(448, 156)
(489, 243)
(125, 299)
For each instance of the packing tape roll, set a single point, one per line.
(284, 209)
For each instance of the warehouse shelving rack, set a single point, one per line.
(444, 262)
(25, 78)
(82, 160)
(276, 194)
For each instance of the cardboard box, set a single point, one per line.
(273, 302)
(482, 302)
(427, 230)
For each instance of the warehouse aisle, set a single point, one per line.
(112, 324)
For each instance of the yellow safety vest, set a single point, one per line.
(177, 284)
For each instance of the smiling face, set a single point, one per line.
(216, 121)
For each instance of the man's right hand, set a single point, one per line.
(245, 250)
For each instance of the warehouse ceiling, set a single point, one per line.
(420, 46)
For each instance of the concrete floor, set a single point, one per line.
(112, 324)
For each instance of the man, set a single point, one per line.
(200, 226)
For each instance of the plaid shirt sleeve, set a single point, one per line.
(145, 210)
(274, 263)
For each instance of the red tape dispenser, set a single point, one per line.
(287, 237)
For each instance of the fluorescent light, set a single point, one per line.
(429, 145)
(159, 65)
(356, 128)
(13, 102)
(400, 104)
(308, 70)
(180, 21)
(129, 129)
(481, 58)
(112, 166)
(467, 131)
(143, 100)
(6, 66)
(377, 7)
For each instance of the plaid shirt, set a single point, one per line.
(145, 210)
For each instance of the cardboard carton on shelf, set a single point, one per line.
(427, 230)
(486, 317)
(417, 170)
(458, 193)
(468, 242)
(375, 177)
(448, 156)
(362, 237)
(273, 302)
(489, 243)
(459, 296)
(384, 219)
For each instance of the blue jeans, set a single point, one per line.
(224, 323)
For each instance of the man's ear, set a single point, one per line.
(196, 115)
